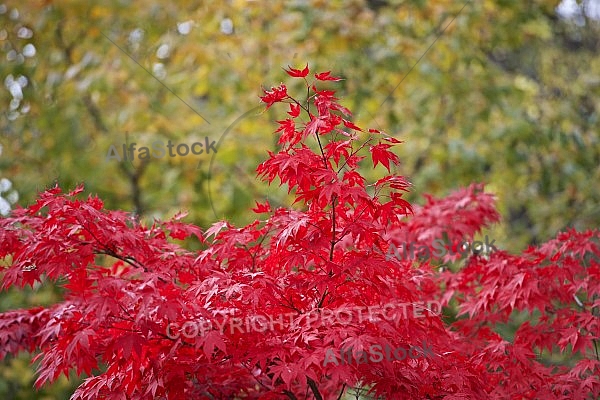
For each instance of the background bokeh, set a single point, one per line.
(505, 92)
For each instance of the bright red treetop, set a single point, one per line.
(266, 309)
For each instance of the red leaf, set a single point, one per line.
(381, 155)
(297, 73)
(350, 124)
(262, 208)
(275, 95)
(294, 110)
(216, 228)
(213, 340)
(131, 343)
(325, 76)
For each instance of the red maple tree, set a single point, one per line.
(260, 311)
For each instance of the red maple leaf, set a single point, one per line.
(325, 76)
(275, 95)
(381, 154)
(297, 73)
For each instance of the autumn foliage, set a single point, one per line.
(132, 295)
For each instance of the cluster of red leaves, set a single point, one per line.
(126, 285)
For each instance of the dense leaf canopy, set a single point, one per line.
(144, 318)
(501, 92)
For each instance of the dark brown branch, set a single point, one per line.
(314, 388)
(94, 113)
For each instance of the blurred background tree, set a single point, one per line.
(503, 92)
